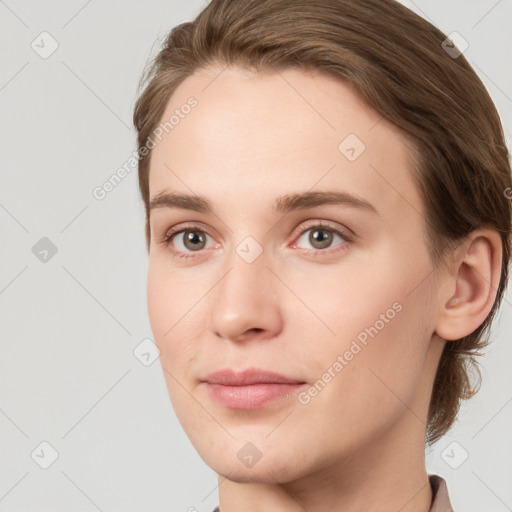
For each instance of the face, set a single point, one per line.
(312, 263)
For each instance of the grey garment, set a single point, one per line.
(440, 498)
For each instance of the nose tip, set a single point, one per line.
(246, 304)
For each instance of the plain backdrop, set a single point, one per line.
(74, 395)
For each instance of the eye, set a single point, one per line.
(321, 237)
(192, 239)
(188, 240)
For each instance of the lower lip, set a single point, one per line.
(251, 396)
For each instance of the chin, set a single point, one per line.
(272, 466)
(263, 474)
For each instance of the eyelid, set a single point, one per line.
(343, 232)
(165, 239)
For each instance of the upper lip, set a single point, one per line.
(228, 377)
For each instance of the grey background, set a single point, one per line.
(70, 324)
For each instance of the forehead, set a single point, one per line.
(284, 132)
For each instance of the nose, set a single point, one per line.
(246, 301)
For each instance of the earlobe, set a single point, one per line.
(475, 280)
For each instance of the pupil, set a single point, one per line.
(321, 237)
(193, 238)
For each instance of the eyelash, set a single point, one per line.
(169, 235)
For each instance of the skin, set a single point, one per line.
(359, 443)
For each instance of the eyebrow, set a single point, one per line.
(283, 204)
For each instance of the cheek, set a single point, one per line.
(171, 315)
(373, 384)
(171, 296)
(341, 301)
(161, 306)
(169, 318)
(378, 320)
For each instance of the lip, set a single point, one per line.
(251, 388)
(228, 377)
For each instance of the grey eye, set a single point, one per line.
(320, 237)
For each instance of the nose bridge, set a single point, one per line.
(245, 297)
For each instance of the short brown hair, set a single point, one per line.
(395, 61)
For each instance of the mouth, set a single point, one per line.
(250, 389)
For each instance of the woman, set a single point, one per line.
(329, 239)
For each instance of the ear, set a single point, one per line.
(471, 285)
